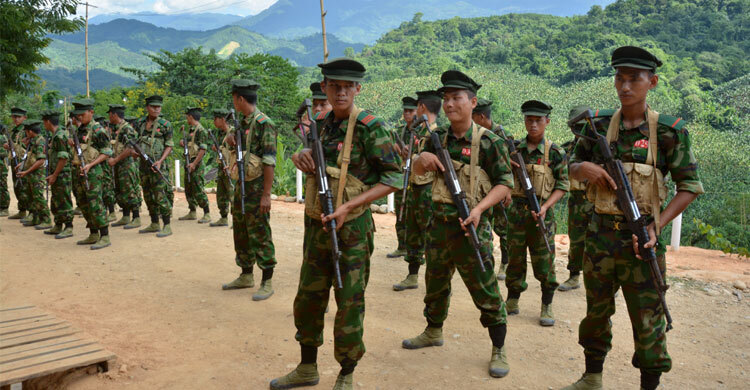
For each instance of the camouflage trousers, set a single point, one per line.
(400, 224)
(224, 192)
(90, 201)
(356, 242)
(253, 243)
(522, 234)
(579, 212)
(417, 216)
(108, 185)
(21, 192)
(194, 191)
(4, 193)
(61, 203)
(128, 184)
(449, 249)
(609, 264)
(500, 227)
(158, 196)
(35, 188)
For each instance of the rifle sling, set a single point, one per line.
(345, 155)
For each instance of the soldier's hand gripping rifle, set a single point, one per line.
(79, 153)
(458, 194)
(525, 182)
(13, 156)
(147, 159)
(324, 191)
(186, 154)
(223, 161)
(626, 202)
(240, 159)
(407, 168)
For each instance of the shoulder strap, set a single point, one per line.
(476, 136)
(252, 131)
(653, 121)
(547, 147)
(345, 155)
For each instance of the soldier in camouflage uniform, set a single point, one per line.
(125, 165)
(253, 243)
(409, 106)
(18, 116)
(59, 179)
(579, 211)
(32, 173)
(156, 141)
(96, 150)
(197, 144)
(72, 126)
(482, 115)
(4, 163)
(650, 146)
(548, 171)
(448, 248)
(109, 190)
(373, 172)
(224, 189)
(418, 210)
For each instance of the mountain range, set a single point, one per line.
(189, 22)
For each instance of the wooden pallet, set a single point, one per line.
(34, 344)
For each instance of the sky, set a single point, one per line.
(235, 7)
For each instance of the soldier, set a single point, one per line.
(319, 99)
(124, 163)
(194, 190)
(18, 116)
(59, 179)
(409, 105)
(32, 173)
(482, 115)
(4, 163)
(548, 172)
(418, 211)
(650, 146)
(72, 127)
(253, 243)
(483, 154)
(96, 149)
(223, 183)
(373, 170)
(156, 141)
(108, 194)
(579, 211)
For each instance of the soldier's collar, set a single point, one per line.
(525, 145)
(466, 136)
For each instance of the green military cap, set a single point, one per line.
(409, 103)
(457, 80)
(345, 69)
(82, 105)
(49, 114)
(220, 112)
(116, 108)
(317, 91)
(130, 118)
(634, 57)
(483, 105)
(428, 95)
(244, 86)
(578, 110)
(154, 100)
(17, 111)
(535, 108)
(99, 118)
(33, 125)
(191, 110)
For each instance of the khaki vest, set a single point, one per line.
(474, 180)
(31, 158)
(576, 185)
(540, 175)
(646, 179)
(345, 186)
(253, 163)
(427, 177)
(193, 148)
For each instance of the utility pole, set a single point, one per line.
(323, 22)
(86, 47)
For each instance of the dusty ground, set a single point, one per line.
(157, 303)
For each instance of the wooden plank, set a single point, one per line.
(29, 354)
(26, 321)
(41, 324)
(49, 367)
(41, 335)
(16, 308)
(52, 356)
(39, 345)
(10, 316)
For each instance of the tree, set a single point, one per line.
(24, 25)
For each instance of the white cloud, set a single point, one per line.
(237, 7)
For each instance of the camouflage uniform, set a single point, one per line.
(373, 161)
(19, 189)
(224, 188)
(500, 214)
(398, 195)
(196, 196)
(253, 243)
(61, 202)
(523, 232)
(579, 213)
(108, 185)
(34, 181)
(4, 164)
(418, 212)
(158, 196)
(90, 201)
(126, 171)
(609, 261)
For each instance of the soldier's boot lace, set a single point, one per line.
(498, 363)
(303, 375)
(431, 337)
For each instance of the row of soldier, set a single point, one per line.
(364, 162)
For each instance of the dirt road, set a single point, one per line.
(157, 303)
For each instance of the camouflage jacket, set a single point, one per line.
(557, 161)
(59, 149)
(262, 141)
(156, 139)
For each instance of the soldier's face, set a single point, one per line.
(633, 84)
(18, 119)
(340, 93)
(457, 105)
(409, 114)
(113, 118)
(321, 105)
(48, 125)
(220, 122)
(86, 117)
(535, 126)
(153, 111)
(481, 120)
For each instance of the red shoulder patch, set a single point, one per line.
(676, 122)
(369, 118)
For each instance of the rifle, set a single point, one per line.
(13, 156)
(407, 167)
(186, 154)
(626, 201)
(79, 153)
(224, 166)
(147, 159)
(458, 194)
(240, 159)
(46, 168)
(324, 191)
(525, 181)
